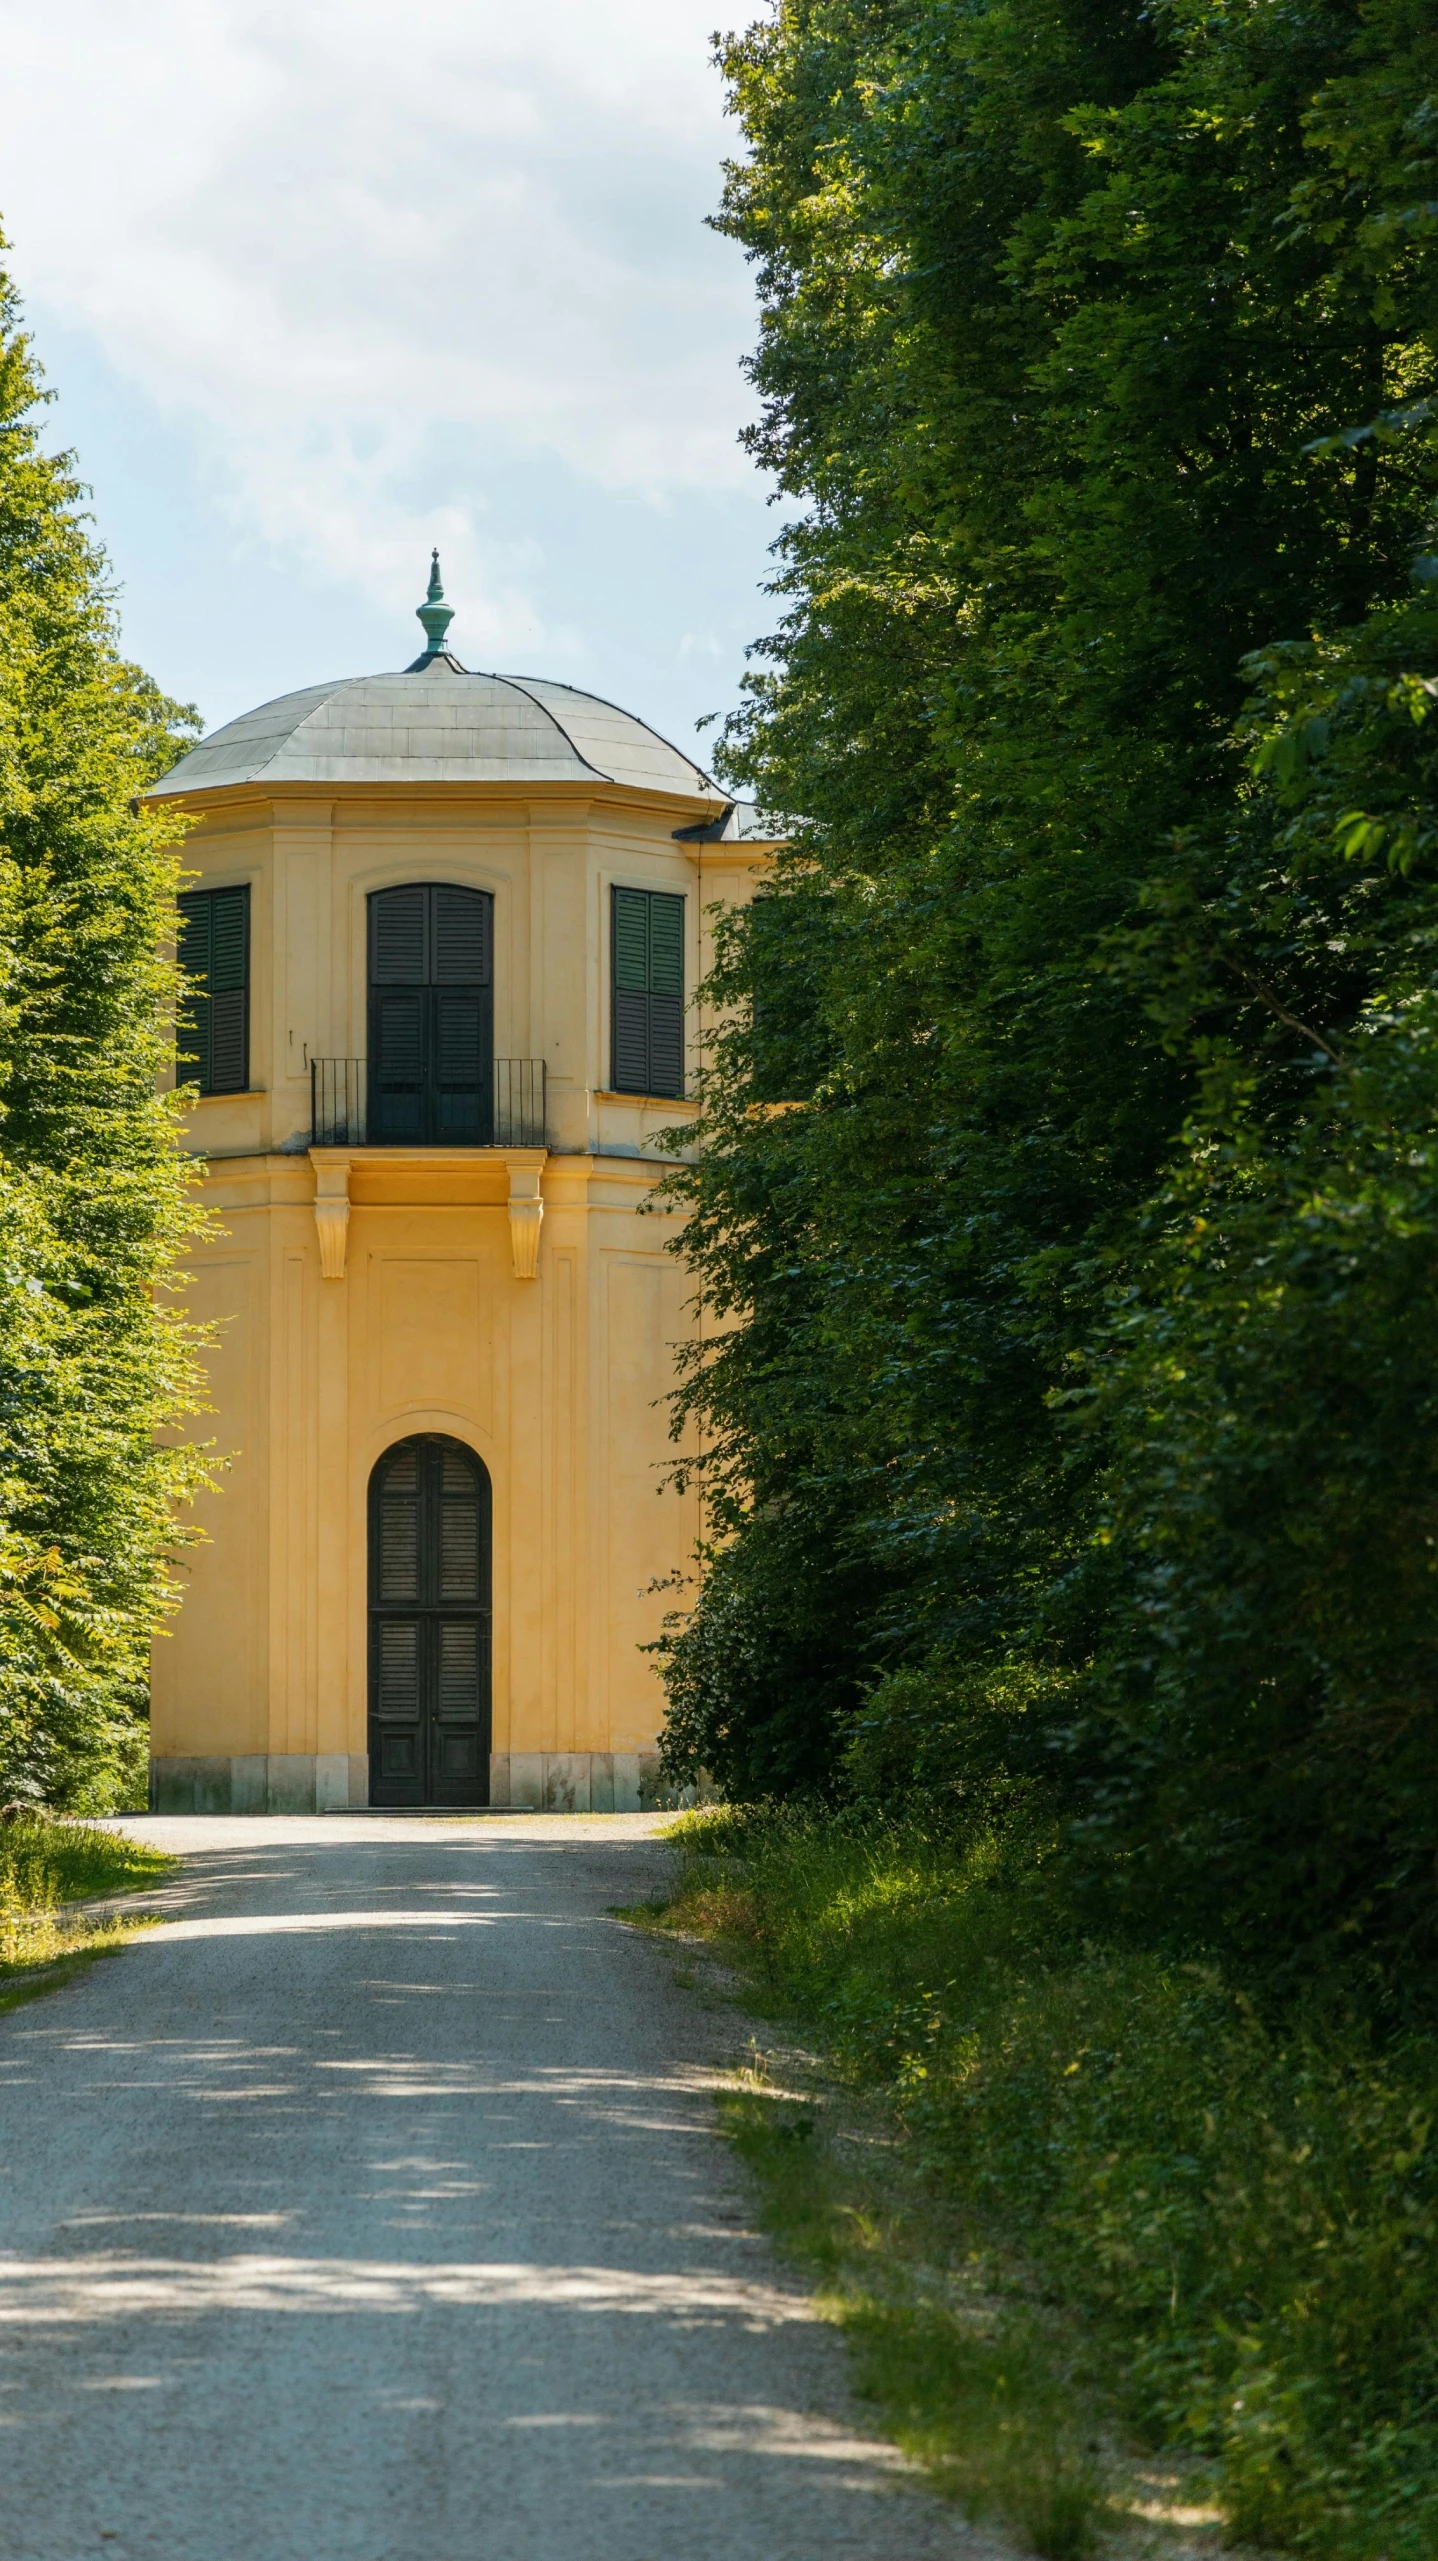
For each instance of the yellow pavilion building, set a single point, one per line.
(443, 933)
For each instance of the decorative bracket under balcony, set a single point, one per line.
(332, 1212)
(526, 1211)
(525, 1169)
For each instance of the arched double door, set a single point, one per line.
(429, 1625)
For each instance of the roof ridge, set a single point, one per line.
(326, 697)
(524, 683)
(517, 685)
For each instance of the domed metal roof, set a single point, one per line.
(437, 724)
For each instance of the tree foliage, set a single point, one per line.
(93, 1198)
(1077, 1353)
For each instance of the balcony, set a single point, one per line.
(505, 1110)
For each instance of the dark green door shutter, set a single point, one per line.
(431, 1016)
(213, 1046)
(229, 991)
(192, 1043)
(399, 978)
(429, 1625)
(666, 994)
(631, 991)
(462, 1000)
(647, 992)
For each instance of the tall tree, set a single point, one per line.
(94, 1204)
(1091, 982)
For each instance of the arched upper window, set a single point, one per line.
(431, 1016)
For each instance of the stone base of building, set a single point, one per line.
(336, 1782)
(260, 1783)
(578, 1782)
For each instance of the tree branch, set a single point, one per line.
(1266, 996)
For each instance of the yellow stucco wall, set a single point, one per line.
(557, 1382)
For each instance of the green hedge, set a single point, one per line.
(1243, 2208)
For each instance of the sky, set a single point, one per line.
(320, 284)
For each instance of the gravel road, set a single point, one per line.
(371, 2211)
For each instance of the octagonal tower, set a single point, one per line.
(445, 931)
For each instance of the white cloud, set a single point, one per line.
(334, 234)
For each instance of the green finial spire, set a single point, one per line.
(434, 614)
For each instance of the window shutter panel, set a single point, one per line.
(195, 933)
(402, 1039)
(399, 1548)
(398, 956)
(631, 1043)
(227, 1043)
(462, 937)
(214, 949)
(459, 1018)
(459, 1558)
(399, 1515)
(666, 997)
(666, 945)
(459, 1694)
(399, 1669)
(397, 1065)
(192, 1042)
(229, 941)
(229, 991)
(666, 1045)
(647, 992)
(631, 941)
(461, 1044)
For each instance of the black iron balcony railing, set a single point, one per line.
(520, 1093)
(509, 1114)
(337, 1102)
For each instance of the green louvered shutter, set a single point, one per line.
(431, 1015)
(647, 996)
(398, 1011)
(462, 997)
(213, 1044)
(192, 1031)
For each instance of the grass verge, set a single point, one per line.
(1096, 2202)
(47, 1864)
(975, 2382)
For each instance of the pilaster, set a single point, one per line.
(303, 835)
